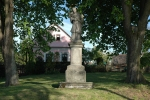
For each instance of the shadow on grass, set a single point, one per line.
(110, 91)
(23, 92)
(31, 88)
(33, 83)
(55, 85)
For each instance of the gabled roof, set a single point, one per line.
(63, 30)
(60, 29)
(63, 43)
(59, 44)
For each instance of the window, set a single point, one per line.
(58, 37)
(64, 57)
(48, 57)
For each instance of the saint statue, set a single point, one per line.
(77, 20)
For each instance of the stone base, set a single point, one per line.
(78, 85)
(75, 73)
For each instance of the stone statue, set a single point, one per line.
(77, 20)
(75, 72)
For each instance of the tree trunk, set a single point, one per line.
(135, 37)
(134, 74)
(9, 59)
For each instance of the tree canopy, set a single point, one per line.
(120, 25)
(29, 18)
(32, 17)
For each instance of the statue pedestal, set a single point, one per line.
(75, 73)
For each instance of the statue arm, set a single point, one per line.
(71, 17)
(82, 18)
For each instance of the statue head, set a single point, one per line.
(74, 9)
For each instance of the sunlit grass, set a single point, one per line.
(107, 86)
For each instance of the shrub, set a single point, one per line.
(2, 71)
(30, 68)
(39, 66)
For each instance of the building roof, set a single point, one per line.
(64, 41)
(59, 44)
(63, 30)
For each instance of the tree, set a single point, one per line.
(120, 25)
(32, 17)
(94, 54)
(6, 33)
(135, 37)
(99, 56)
(87, 55)
(35, 15)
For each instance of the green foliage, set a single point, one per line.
(35, 67)
(117, 14)
(49, 64)
(146, 44)
(31, 18)
(87, 54)
(145, 60)
(103, 26)
(20, 59)
(103, 23)
(94, 54)
(30, 68)
(128, 2)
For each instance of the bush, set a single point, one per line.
(63, 66)
(21, 70)
(29, 68)
(49, 67)
(2, 71)
(100, 68)
(95, 68)
(37, 67)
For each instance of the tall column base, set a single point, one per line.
(75, 73)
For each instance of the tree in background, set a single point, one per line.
(99, 56)
(90, 54)
(87, 55)
(145, 59)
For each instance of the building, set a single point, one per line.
(59, 47)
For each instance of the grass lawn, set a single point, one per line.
(107, 86)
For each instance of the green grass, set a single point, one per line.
(107, 86)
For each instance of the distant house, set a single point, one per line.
(59, 46)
